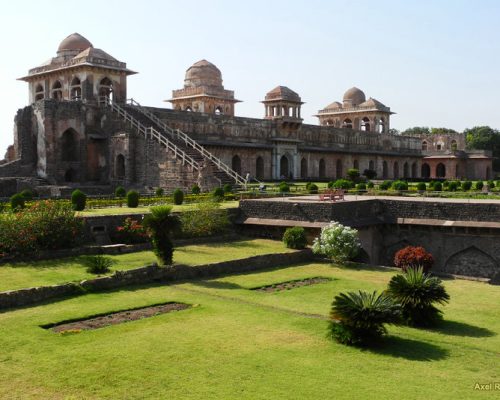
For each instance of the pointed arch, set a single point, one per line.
(236, 164)
(303, 168)
(69, 145)
(471, 262)
(406, 170)
(57, 93)
(259, 168)
(322, 169)
(426, 171)
(120, 166)
(440, 170)
(338, 169)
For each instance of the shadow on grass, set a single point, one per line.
(216, 284)
(456, 328)
(408, 349)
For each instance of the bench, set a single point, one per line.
(333, 195)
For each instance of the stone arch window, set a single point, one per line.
(371, 165)
(105, 90)
(347, 124)
(365, 124)
(76, 89)
(424, 145)
(218, 110)
(322, 169)
(120, 166)
(355, 164)
(440, 170)
(57, 90)
(284, 167)
(381, 125)
(39, 92)
(385, 170)
(303, 168)
(236, 164)
(414, 170)
(259, 168)
(189, 109)
(454, 145)
(329, 122)
(338, 169)
(426, 170)
(440, 146)
(406, 170)
(395, 171)
(69, 146)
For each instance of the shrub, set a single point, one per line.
(162, 224)
(385, 185)
(178, 197)
(331, 183)
(338, 242)
(467, 185)
(453, 186)
(437, 187)
(218, 194)
(228, 188)
(308, 185)
(78, 199)
(413, 257)
(353, 174)
(17, 202)
(446, 184)
(343, 184)
(370, 185)
(132, 199)
(130, 232)
(313, 188)
(295, 238)
(195, 189)
(361, 186)
(27, 194)
(421, 186)
(120, 192)
(284, 187)
(399, 185)
(98, 264)
(370, 173)
(159, 192)
(491, 184)
(417, 292)
(359, 318)
(479, 185)
(206, 220)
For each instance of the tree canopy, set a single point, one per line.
(484, 138)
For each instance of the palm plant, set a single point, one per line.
(417, 293)
(162, 224)
(358, 318)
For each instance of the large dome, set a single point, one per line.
(74, 42)
(203, 73)
(354, 96)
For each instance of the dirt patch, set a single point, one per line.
(116, 318)
(276, 287)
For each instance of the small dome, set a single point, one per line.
(74, 42)
(354, 96)
(282, 93)
(203, 73)
(334, 105)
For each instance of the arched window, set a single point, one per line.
(69, 145)
(381, 125)
(259, 168)
(57, 91)
(236, 164)
(440, 170)
(347, 124)
(406, 170)
(39, 92)
(355, 164)
(218, 110)
(454, 145)
(322, 169)
(365, 124)
(188, 108)
(426, 171)
(414, 170)
(105, 90)
(338, 169)
(396, 170)
(371, 165)
(329, 122)
(303, 168)
(76, 89)
(385, 170)
(120, 166)
(439, 146)
(284, 167)
(424, 145)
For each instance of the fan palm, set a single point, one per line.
(162, 224)
(417, 293)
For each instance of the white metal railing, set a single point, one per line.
(153, 133)
(178, 134)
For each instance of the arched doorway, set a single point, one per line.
(406, 170)
(105, 90)
(395, 169)
(322, 169)
(371, 165)
(365, 124)
(385, 170)
(440, 170)
(338, 169)
(76, 89)
(347, 124)
(426, 171)
(69, 145)
(236, 164)
(284, 167)
(414, 170)
(57, 93)
(259, 168)
(120, 166)
(303, 168)
(39, 92)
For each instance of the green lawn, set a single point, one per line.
(143, 210)
(241, 344)
(51, 272)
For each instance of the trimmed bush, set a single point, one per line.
(27, 194)
(399, 185)
(361, 186)
(437, 187)
(195, 189)
(370, 185)
(284, 187)
(446, 184)
(78, 200)
(353, 174)
(370, 173)
(295, 238)
(218, 194)
(453, 186)
(385, 185)
(421, 186)
(467, 185)
(162, 224)
(132, 199)
(330, 184)
(17, 202)
(343, 184)
(491, 184)
(159, 192)
(308, 185)
(228, 188)
(207, 219)
(178, 196)
(338, 242)
(359, 318)
(479, 185)
(98, 264)
(413, 257)
(120, 192)
(313, 188)
(417, 292)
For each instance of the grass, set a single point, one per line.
(51, 272)
(145, 209)
(249, 345)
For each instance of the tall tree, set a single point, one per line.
(484, 138)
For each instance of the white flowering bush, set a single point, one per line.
(338, 242)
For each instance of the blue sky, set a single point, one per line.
(435, 63)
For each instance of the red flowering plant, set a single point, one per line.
(413, 257)
(131, 232)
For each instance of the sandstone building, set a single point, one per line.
(79, 130)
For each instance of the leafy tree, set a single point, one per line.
(417, 130)
(295, 238)
(484, 138)
(162, 223)
(393, 131)
(442, 131)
